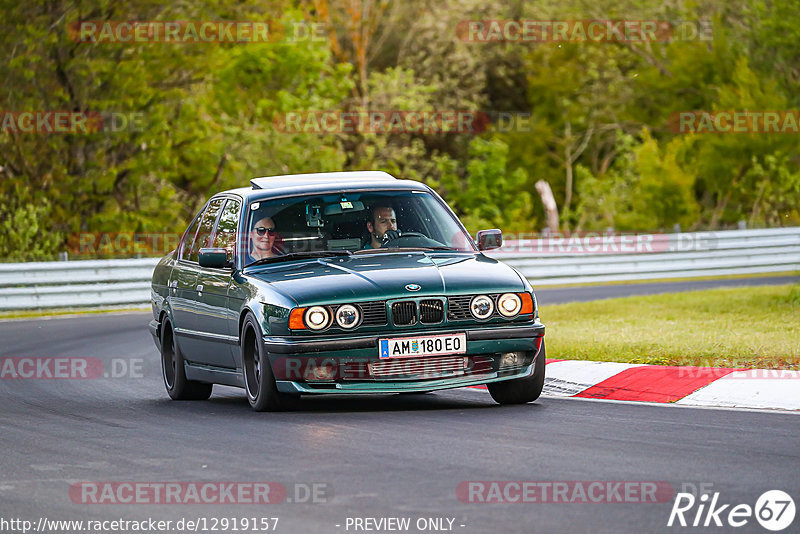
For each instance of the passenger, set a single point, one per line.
(262, 241)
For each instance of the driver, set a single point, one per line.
(382, 226)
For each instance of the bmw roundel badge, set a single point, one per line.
(413, 287)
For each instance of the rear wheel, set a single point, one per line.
(174, 373)
(259, 382)
(521, 390)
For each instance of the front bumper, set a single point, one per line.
(484, 346)
(517, 335)
(388, 386)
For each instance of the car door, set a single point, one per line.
(182, 284)
(189, 316)
(213, 315)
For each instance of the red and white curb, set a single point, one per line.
(686, 386)
(690, 386)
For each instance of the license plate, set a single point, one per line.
(413, 347)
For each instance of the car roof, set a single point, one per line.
(324, 182)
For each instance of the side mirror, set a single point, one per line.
(216, 258)
(489, 239)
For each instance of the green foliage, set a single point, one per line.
(210, 113)
(645, 189)
(22, 236)
(606, 201)
(490, 194)
(665, 191)
(206, 113)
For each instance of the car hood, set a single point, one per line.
(385, 276)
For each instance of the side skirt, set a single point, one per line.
(214, 375)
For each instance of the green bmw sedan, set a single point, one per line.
(341, 283)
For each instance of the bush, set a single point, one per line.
(25, 236)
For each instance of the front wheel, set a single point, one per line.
(521, 390)
(174, 373)
(259, 382)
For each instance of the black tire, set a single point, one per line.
(259, 382)
(521, 390)
(173, 372)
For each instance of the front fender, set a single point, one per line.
(270, 308)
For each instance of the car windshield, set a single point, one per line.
(354, 222)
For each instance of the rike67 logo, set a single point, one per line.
(774, 510)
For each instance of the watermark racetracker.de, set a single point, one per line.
(735, 122)
(397, 121)
(566, 491)
(581, 243)
(737, 373)
(149, 524)
(391, 121)
(47, 122)
(68, 368)
(195, 31)
(582, 31)
(199, 492)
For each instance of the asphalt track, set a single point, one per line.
(379, 456)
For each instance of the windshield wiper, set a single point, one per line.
(403, 249)
(298, 256)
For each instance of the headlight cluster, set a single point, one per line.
(508, 305)
(481, 307)
(350, 316)
(347, 316)
(318, 318)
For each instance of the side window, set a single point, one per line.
(188, 239)
(226, 227)
(205, 236)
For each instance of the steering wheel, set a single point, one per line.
(405, 234)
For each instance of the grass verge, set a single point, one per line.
(756, 327)
(661, 280)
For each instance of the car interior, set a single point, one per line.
(338, 222)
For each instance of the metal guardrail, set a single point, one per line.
(589, 259)
(67, 284)
(544, 261)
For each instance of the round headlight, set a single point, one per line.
(481, 307)
(347, 316)
(317, 317)
(509, 304)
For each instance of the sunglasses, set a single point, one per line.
(263, 230)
